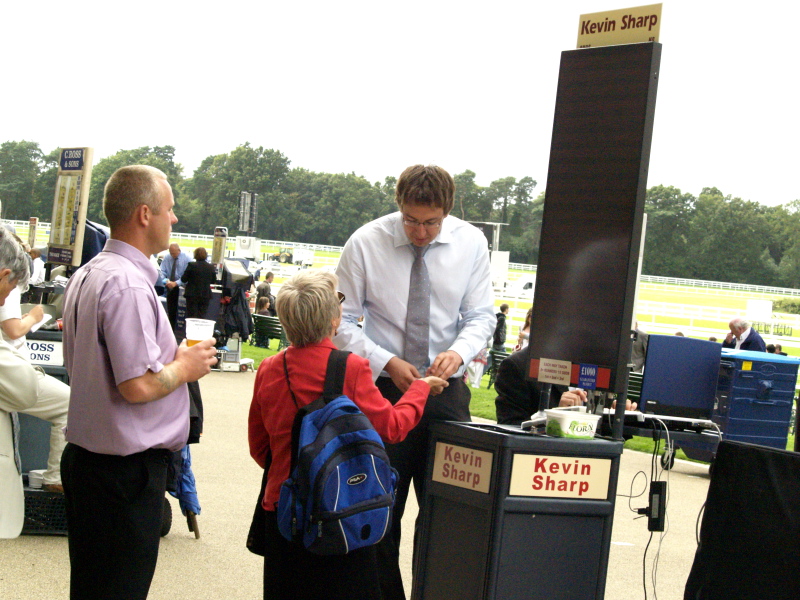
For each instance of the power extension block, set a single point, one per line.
(656, 514)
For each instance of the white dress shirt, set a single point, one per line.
(742, 338)
(374, 273)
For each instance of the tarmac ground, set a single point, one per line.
(218, 566)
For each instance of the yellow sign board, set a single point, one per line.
(560, 477)
(463, 467)
(627, 26)
(69, 206)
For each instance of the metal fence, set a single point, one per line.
(516, 270)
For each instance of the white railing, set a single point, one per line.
(516, 270)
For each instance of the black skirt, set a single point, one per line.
(293, 573)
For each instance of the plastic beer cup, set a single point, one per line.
(198, 330)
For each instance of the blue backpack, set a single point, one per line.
(340, 494)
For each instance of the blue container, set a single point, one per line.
(755, 393)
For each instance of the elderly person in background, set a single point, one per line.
(51, 399)
(18, 390)
(311, 313)
(743, 337)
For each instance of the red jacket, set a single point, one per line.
(272, 410)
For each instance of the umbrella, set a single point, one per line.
(186, 491)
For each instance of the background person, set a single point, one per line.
(37, 272)
(518, 398)
(421, 279)
(129, 403)
(525, 330)
(743, 337)
(51, 400)
(172, 268)
(262, 306)
(264, 290)
(499, 337)
(311, 313)
(18, 389)
(198, 278)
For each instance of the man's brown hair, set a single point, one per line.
(427, 186)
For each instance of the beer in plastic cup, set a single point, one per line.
(198, 330)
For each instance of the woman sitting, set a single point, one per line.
(311, 313)
(262, 306)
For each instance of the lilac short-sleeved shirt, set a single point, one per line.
(115, 329)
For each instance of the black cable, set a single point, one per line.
(644, 565)
(632, 496)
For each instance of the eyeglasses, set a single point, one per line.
(341, 297)
(429, 225)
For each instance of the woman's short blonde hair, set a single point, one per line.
(308, 305)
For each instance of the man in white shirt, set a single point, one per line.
(37, 270)
(375, 274)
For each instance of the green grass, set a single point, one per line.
(643, 444)
(482, 404)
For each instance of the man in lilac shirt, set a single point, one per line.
(129, 404)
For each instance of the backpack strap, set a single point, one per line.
(334, 385)
(334, 377)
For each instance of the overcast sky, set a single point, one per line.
(373, 86)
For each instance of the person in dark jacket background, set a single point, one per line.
(743, 337)
(198, 277)
(499, 339)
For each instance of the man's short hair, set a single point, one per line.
(307, 305)
(200, 253)
(130, 187)
(13, 257)
(503, 307)
(427, 186)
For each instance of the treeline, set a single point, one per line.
(711, 236)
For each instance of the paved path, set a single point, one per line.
(218, 567)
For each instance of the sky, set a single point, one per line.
(371, 87)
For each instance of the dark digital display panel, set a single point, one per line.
(594, 202)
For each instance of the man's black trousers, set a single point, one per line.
(113, 506)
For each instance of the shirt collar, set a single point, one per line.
(134, 255)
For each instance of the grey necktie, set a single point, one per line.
(419, 312)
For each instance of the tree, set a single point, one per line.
(502, 193)
(669, 214)
(20, 163)
(44, 188)
(727, 239)
(328, 208)
(160, 157)
(213, 191)
(469, 198)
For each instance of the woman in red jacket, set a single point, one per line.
(310, 313)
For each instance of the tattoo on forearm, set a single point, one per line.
(167, 379)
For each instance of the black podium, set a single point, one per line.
(509, 514)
